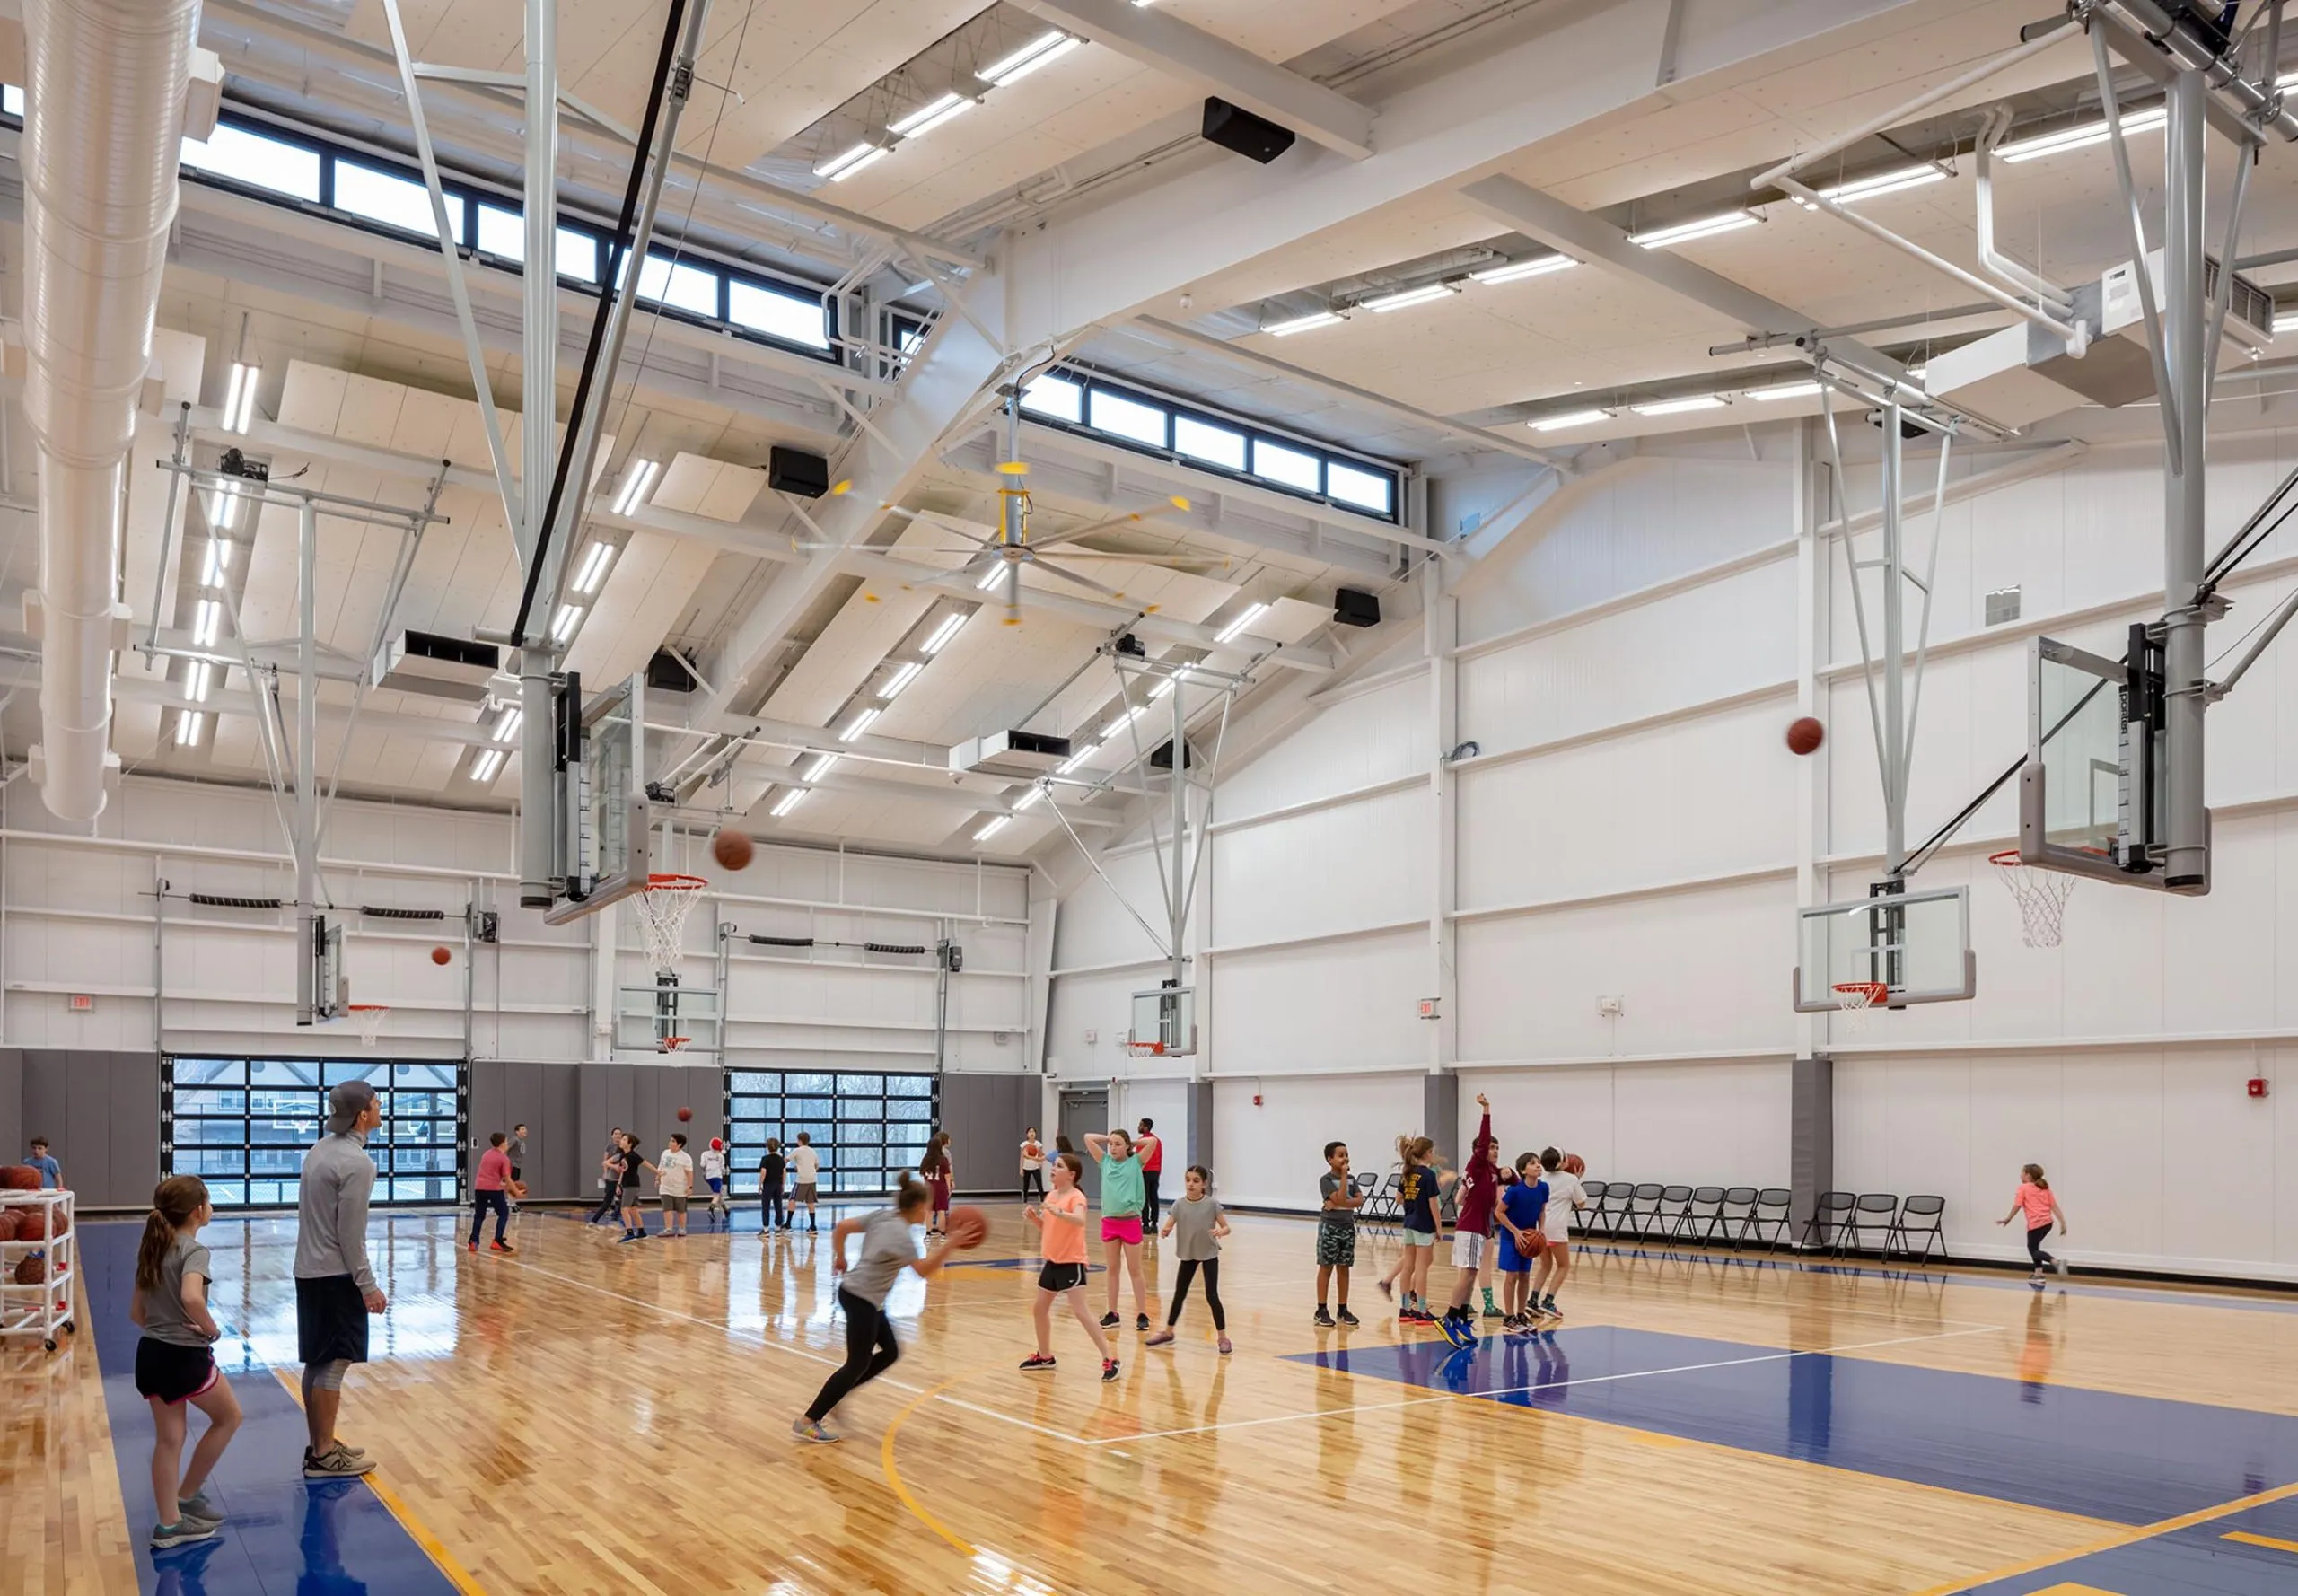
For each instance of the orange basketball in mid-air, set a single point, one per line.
(441, 956)
(1804, 734)
(969, 1227)
(732, 849)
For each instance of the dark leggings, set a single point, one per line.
(480, 1202)
(2035, 1246)
(1149, 1210)
(769, 1209)
(1189, 1266)
(609, 1196)
(1032, 1180)
(870, 1352)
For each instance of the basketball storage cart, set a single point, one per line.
(36, 1263)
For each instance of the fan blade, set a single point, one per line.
(1176, 562)
(1051, 569)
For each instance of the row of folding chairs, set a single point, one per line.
(1739, 1216)
(1842, 1221)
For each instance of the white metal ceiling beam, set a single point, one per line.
(1117, 261)
(1163, 41)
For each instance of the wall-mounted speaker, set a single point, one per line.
(1233, 128)
(793, 470)
(1354, 608)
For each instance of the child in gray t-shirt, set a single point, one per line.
(1198, 1224)
(174, 1367)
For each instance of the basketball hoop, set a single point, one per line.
(369, 1018)
(672, 1044)
(1145, 1049)
(1856, 1000)
(662, 909)
(2040, 894)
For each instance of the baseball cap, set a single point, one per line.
(346, 1103)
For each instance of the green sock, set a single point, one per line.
(1488, 1299)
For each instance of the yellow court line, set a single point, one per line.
(418, 1531)
(2267, 1542)
(2130, 1536)
(893, 1474)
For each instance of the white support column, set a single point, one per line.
(1812, 841)
(1440, 632)
(605, 931)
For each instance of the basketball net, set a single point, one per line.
(662, 909)
(369, 1018)
(1856, 1000)
(2040, 894)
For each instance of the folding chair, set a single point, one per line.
(1583, 1220)
(1774, 1205)
(1367, 1187)
(1697, 1220)
(1874, 1211)
(1642, 1209)
(1603, 1215)
(1833, 1212)
(1928, 1210)
(1675, 1207)
(1382, 1207)
(1732, 1216)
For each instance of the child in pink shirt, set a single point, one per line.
(2040, 1204)
(487, 1191)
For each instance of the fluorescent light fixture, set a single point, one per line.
(1169, 683)
(1410, 296)
(841, 167)
(948, 629)
(563, 623)
(1680, 406)
(818, 768)
(993, 576)
(219, 558)
(1516, 271)
(205, 620)
(637, 479)
(1122, 722)
(992, 830)
(900, 679)
(1045, 48)
(506, 724)
(189, 723)
(928, 118)
(1550, 423)
(1661, 238)
(1251, 614)
(223, 509)
(787, 801)
(1786, 390)
(2285, 321)
(1286, 330)
(859, 724)
(197, 680)
(487, 765)
(1881, 183)
(594, 567)
(1079, 757)
(2077, 138)
(1028, 799)
(239, 399)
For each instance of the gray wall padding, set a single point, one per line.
(986, 1116)
(1811, 1144)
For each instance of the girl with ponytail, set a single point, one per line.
(173, 1363)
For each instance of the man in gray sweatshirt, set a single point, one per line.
(335, 1289)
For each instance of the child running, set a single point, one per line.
(714, 1176)
(1523, 1214)
(2039, 1203)
(174, 1364)
(675, 1179)
(1335, 1231)
(770, 1168)
(1061, 1222)
(1479, 1194)
(1198, 1223)
(1420, 1188)
(887, 1249)
(489, 1192)
(1565, 1195)
(1121, 1183)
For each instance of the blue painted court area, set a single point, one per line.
(2130, 1459)
(286, 1536)
(2234, 1555)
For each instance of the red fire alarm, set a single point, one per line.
(2258, 1085)
(1256, 1099)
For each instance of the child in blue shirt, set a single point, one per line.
(1522, 1203)
(51, 1173)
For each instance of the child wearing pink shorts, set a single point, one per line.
(1122, 1199)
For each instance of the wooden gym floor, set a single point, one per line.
(587, 1417)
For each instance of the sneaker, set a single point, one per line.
(1551, 1310)
(2060, 1264)
(1345, 1316)
(1037, 1362)
(1413, 1316)
(1109, 1370)
(1458, 1331)
(1110, 1322)
(500, 1247)
(198, 1507)
(335, 1464)
(1161, 1338)
(1324, 1318)
(1224, 1345)
(1388, 1292)
(1140, 1321)
(806, 1429)
(182, 1532)
(1492, 1309)
(1547, 1304)
(631, 1236)
(472, 1245)
(2036, 1280)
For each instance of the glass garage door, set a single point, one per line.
(243, 1125)
(868, 1127)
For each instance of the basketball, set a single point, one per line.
(32, 1270)
(441, 956)
(1574, 1164)
(1805, 734)
(732, 849)
(969, 1227)
(1534, 1243)
(32, 1224)
(685, 1114)
(8, 1222)
(19, 1177)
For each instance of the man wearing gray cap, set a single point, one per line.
(335, 1290)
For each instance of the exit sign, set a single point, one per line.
(82, 1003)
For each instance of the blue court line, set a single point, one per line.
(2005, 1282)
(2129, 1459)
(2197, 1557)
(286, 1536)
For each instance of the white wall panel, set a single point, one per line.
(1270, 1153)
(1700, 1123)
(1361, 741)
(1334, 1006)
(1353, 865)
(1093, 926)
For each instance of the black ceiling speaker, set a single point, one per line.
(1233, 128)
(793, 470)
(1354, 608)
(1162, 757)
(665, 673)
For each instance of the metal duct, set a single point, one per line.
(105, 90)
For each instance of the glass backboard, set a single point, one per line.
(602, 850)
(2090, 800)
(1918, 944)
(1166, 1017)
(650, 1017)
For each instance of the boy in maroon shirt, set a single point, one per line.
(1480, 1196)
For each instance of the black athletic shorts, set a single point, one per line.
(330, 1320)
(1061, 1276)
(174, 1373)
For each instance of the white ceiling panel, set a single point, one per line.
(648, 588)
(700, 486)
